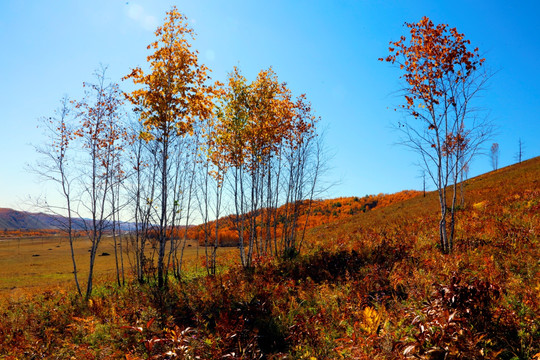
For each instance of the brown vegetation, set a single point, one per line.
(351, 278)
(372, 285)
(320, 212)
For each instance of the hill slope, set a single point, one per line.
(320, 212)
(372, 285)
(492, 195)
(22, 220)
(16, 220)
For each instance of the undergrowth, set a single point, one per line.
(367, 288)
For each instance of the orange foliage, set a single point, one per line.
(375, 288)
(434, 53)
(322, 212)
(10, 233)
(174, 93)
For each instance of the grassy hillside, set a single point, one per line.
(322, 212)
(372, 285)
(487, 198)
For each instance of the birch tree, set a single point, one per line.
(173, 95)
(442, 77)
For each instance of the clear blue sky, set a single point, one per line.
(326, 49)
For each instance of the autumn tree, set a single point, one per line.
(101, 136)
(253, 122)
(141, 190)
(301, 154)
(442, 76)
(229, 143)
(266, 141)
(86, 140)
(212, 171)
(57, 167)
(495, 156)
(269, 121)
(173, 95)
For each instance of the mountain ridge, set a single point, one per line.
(11, 219)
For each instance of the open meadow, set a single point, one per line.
(34, 263)
(374, 285)
(309, 237)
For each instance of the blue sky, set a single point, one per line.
(326, 49)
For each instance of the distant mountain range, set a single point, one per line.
(22, 220)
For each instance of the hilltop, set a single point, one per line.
(22, 220)
(17, 223)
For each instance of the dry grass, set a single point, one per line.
(36, 263)
(370, 286)
(484, 193)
